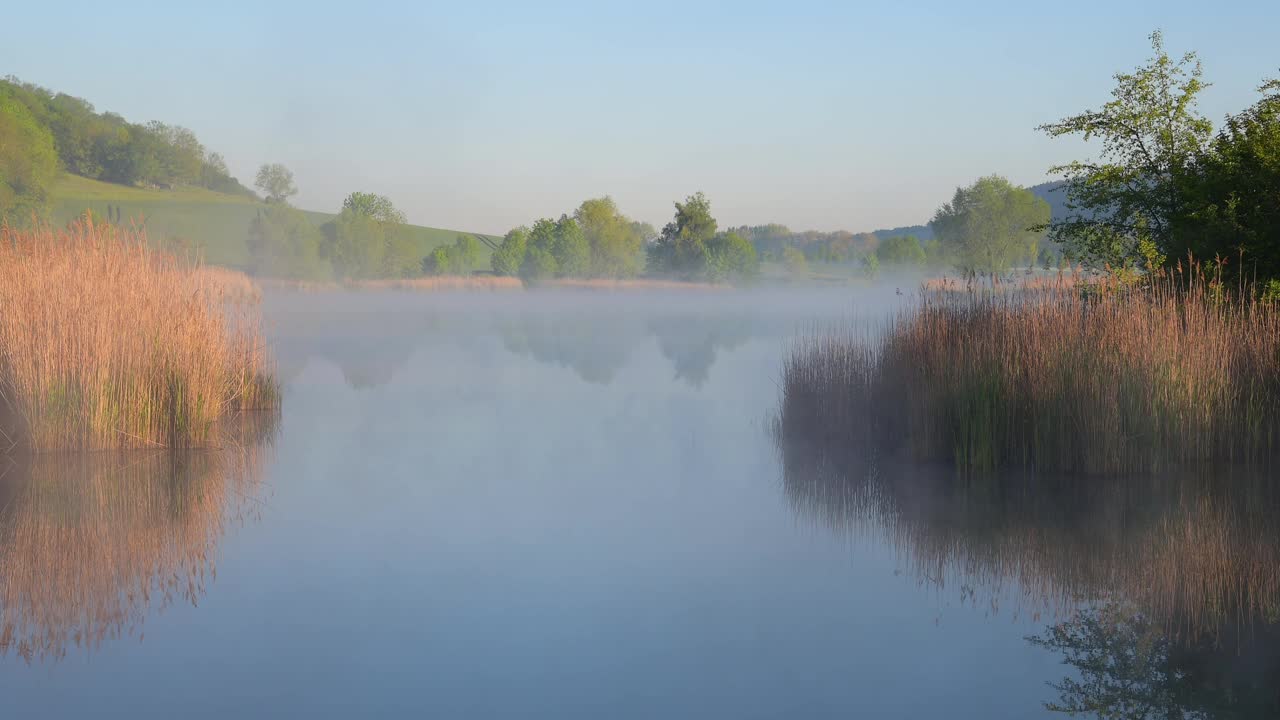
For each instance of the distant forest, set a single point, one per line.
(105, 146)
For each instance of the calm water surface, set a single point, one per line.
(542, 506)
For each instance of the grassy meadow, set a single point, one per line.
(1090, 378)
(215, 223)
(106, 342)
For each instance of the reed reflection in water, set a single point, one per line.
(1163, 592)
(92, 543)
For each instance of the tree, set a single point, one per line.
(901, 250)
(1151, 139)
(539, 261)
(377, 207)
(283, 243)
(616, 243)
(355, 245)
(28, 163)
(870, 265)
(460, 258)
(570, 249)
(795, 260)
(992, 224)
(681, 249)
(275, 181)
(731, 257)
(508, 257)
(1238, 193)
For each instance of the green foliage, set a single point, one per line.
(840, 246)
(377, 207)
(991, 225)
(615, 242)
(681, 250)
(1237, 191)
(1152, 138)
(104, 146)
(570, 249)
(354, 243)
(460, 258)
(795, 261)
(284, 243)
(597, 241)
(275, 182)
(539, 262)
(28, 163)
(730, 257)
(368, 240)
(902, 250)
(509, 256)
(870, 265)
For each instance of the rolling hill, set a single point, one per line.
(216, 222)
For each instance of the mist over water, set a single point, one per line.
(572, 505)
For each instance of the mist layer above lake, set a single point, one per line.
(550, 505)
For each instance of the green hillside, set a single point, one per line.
(216, 222)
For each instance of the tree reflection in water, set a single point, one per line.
(1165, 591)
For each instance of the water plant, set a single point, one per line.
(106, 342)
(1110, 375)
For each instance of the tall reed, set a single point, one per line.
(1099, 377)
(107, 343)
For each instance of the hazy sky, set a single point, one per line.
(485, 115)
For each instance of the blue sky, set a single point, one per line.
(485, 115)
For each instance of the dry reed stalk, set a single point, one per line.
(107, 343)
(1085, 378)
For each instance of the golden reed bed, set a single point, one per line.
(108, 343)
(1090, 378)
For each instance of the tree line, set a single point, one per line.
(368, 239)
(43, 133)
(598, 241)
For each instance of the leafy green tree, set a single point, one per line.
(215, 176)
(28, 163)
(460, 258)
(401, 257)
(283, 243)
(1152, 137)
(681, 250)
(539, 261)
(793, 257)
(539, 265)
(901, 250)
(570, 249)
(870, 265)
(731, 257)
(1238, 191)
(992, 224)
(355, 245)
(377, 207)
(275, 182)
(509, 256)
(616, 243)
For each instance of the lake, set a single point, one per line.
(573, 505)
